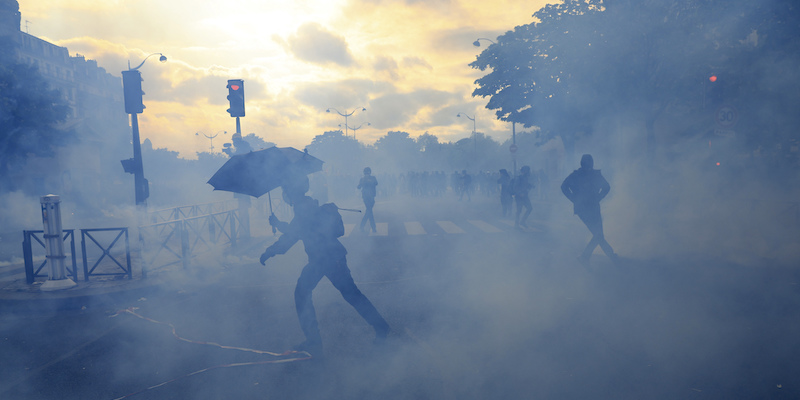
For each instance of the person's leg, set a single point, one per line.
(594, 222)
(308, 280)
(369, 215)
(528, 208)
(342, 280)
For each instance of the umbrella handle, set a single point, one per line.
(269, 196)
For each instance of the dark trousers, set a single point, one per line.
(339, 275)
(594, 222)
(505, 201)
(369, 203)
(523, 202)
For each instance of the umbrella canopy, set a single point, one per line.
(258, 172)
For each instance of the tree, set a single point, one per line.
(398, 151)
(29, 114)
(341, 154)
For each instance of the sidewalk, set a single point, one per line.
(16, 293)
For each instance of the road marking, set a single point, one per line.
(484, 226)
(450, 227)
(414, 228)
(507, 222)
(382, 228)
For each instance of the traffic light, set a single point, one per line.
(132, 86)
(715, 91)
(236, 97)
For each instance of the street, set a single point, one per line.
(483, 311)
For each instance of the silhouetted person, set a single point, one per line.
(506, 197)
(466, 185)
(522, 188)
(326, 258)
(367, 184)
(585, 187)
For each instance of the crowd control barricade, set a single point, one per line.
(30, 251)
(183, 212)
(105, 251)
(177, 242)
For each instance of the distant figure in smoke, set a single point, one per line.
(466, 185)
(319, 227)
(585, 187)
(506, 197)
(522, 188)
(367, 184)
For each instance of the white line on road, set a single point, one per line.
(484, 226)
(450, 227)
(414, 228)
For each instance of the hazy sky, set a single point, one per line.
(404, 60)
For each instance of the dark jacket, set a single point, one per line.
(367, 185)
(585, 188)
(321, 246)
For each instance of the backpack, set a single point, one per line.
(330, 221)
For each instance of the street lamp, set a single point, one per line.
(474, 132)
(211, 137)
(477, 43)
(132, 88)
(353, 129)
(345, 115)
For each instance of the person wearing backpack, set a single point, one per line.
(319, 227)
(585, 187)
(367, 185)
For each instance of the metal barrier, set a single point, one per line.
(115, 265)
(32, 272)
(177, 242)
(183, 212)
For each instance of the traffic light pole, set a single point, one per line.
(140, 184)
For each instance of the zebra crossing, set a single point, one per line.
(443, 227)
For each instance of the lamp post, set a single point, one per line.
(353, 129)
(132, 82)
(474, 132)
(477, 42)
(211, 137)
(345, 115)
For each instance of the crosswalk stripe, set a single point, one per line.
(414, 228)
(484, 226)
(382, 228)
(348, 228)
(507, 222)
(450, 227)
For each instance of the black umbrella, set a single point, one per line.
(258, 172)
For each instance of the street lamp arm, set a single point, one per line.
(477, 43)
(345, 114)
(468, 117)
(163, 58)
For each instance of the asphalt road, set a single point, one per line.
(476, 314)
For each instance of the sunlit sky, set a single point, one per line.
(405, 61)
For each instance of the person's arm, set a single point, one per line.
(284, 243)
(566, 188)
(278, 224)
(604, 187)
(360, 183)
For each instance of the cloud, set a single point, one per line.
(314, 44)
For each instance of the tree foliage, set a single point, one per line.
(583, 60)
(29, 112)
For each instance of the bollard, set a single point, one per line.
(54, 244)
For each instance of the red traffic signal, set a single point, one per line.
(712, 78)
(236, 97)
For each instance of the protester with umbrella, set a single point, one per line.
(319, 230)
(319, 227)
